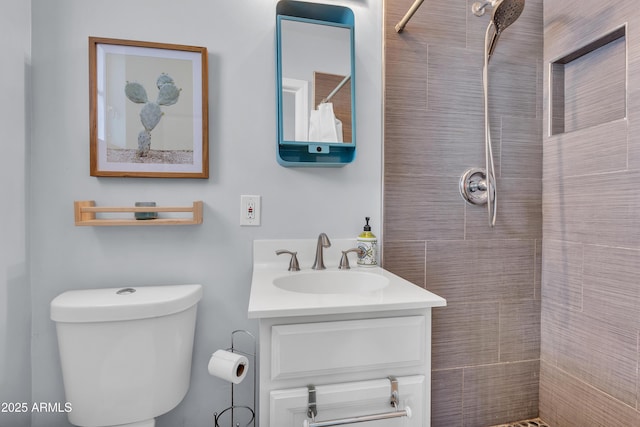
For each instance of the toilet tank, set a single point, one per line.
(125, 352)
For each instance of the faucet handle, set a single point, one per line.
(344, 260)
(293, 264)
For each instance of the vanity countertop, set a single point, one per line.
(268, 300)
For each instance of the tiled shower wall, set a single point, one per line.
(591, 205)
(486, 342)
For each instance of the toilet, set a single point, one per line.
(125, 352)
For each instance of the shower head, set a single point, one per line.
(505, 13)
(509, 7)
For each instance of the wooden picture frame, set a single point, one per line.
(148, 109)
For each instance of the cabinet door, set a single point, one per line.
(288, 408)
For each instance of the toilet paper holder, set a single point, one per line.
(231, 410)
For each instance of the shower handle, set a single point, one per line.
(480, 185)
(473, 186)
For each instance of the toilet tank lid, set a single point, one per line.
(114, 304)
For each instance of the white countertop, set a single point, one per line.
(267, 300)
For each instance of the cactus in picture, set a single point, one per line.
(150, 114)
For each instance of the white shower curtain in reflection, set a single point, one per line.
(323, 124)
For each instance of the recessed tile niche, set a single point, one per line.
(588, 85)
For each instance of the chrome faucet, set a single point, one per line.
(323, 242)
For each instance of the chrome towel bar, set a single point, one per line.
(312, 410)
(374, 417)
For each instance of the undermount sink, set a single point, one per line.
(331, 282)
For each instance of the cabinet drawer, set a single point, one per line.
(312, 349)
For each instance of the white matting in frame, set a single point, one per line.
(149, 109)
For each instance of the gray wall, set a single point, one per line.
(591, 251)
(486, 341)
(15, 311)
(240, 38)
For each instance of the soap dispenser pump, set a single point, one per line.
(368, 245)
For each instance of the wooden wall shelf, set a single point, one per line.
(85, 214)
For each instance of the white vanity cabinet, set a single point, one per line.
(345, 332)
(348, 358)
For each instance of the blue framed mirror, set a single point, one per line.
(315, 76)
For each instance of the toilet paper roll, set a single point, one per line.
(228, 366)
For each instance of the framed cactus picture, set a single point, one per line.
(148, 109)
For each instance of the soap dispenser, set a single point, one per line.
(368, 245)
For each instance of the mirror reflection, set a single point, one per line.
(316, 68)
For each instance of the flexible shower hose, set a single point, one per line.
(492, 190)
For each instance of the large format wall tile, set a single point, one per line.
(519, 331)
(589, 151)
(519, 212)
(520, 148)
(571, 24)
(446, 398)
(611, 291)
(433, 133)
(465, 335)
(590, 322)
(603, 356)
(593, 209)
(472, 271)
(562, 268)
(568, 402)
(444, 143)
(407, 259)
(633, 95)
(422, 207)
(500, 392)
(453, 80)
(633, 119)
(513, 87)
(406, 91)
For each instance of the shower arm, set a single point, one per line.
(479, 8)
